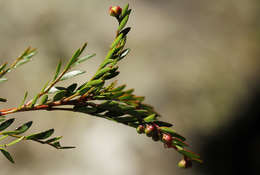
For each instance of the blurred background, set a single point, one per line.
(197, 63)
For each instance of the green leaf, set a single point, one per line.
(23, 128)
(117, 40)
(150, 118)
(124, 11)
(41, 135)
(161, 123)
(3, 100)
(7, 154)
(24, 98)
(73, 59)
(15, 141)
(172, 132)
(187, 153)
(3, 79)
(57, 70)
(6, 124)
(72, 87)
(53, 139)
(84, 58)
(123, 23)
(44, 99)
(72, 74)
(124, 53)
(36, 97)
(59, 95)
(101, 72)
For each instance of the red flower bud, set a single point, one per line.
(140, 129)
(167, 139)
(149, 130)
(115, 11)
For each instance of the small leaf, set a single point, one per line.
(123, 23)
(3, 100)
(15, 141)
(72, 87)
(44, 99)
(101, 72)
(187, 153)
(53, 139)
(3, 66)
(3, 79)
(6, 124)
(7, 154)
(126, 31)
(150, 118)
(84, 58)
(23, 128)
(124, 53)
(41, 135)
(73, 59)
(124, 11)
(24, 98)
(117, 40)
(57, 70)
(72, 74)
(36, 97)
(59, 95)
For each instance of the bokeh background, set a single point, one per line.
(197, 62)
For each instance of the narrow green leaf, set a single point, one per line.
(106, 62)
(125, 31)
(3, 100)
(124, 53)
(72, 87)
(44, 99)
(111, 75)
(24, 98)
(172, 132)
(57, 70)
(72, 74)
(123, 23)
(3, 79)
(41, 135)
(116, 41)
(161, 123)
(187, 153)
(53, 139)
(6, 124)
(59, 95)
(101, 72)
(36, 97)
(150, 118)
(3, 66)
(23, 128)
(111, 53)
(7, 154)
(44, 87)
(15, 141)
(3, 137)
(84, 58)
(124, 11)
(73, 59)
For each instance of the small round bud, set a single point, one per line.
(149, 130)
(167, 139)
(185, 163)
(115, 11)
(140, 129)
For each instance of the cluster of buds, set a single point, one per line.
(152, 130)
